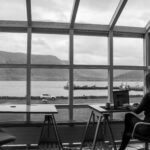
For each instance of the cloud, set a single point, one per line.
(13, 10)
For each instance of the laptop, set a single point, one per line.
(120, 98)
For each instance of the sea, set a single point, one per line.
(56, 88)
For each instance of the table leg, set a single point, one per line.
(110, 130)
(86, 129)
(56, 133)
(96, 132)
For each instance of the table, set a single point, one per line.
(103, 117)
(48, 109)
(35, 108)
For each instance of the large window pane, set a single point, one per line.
(13, 48)
(12, 91)
(51, 82)
(10, 8)
(95, 11)
(90, 50)
(128, 51)
(50, 49)
(133, 80)
(90, 86)
(136, 13)
(52, 10)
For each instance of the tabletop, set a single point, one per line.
(101, 109)
(34, 108)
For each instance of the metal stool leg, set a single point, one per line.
(49, 121)
(86, 129)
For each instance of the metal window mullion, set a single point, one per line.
(28, 92)
(71, 33)
(110, 70)
(146, 57)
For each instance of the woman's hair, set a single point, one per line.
(147, 81)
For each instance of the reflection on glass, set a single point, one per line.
(136, 13)
(10, 8)
(50, 49)
(13, 48)
(128, 51)
(90, 86)
(47, 86)
(95, 11)
(90, 50)
(51, 10)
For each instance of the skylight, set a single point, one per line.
(52, 10)
(136, 13)
(96, 11)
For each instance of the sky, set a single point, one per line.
(91, 50)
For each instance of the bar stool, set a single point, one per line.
(49, 128)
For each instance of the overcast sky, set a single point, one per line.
(91, 50)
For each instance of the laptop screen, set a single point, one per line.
(120, 98)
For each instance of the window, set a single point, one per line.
(132, 80)
(94, 12)
(47, 86)
(90, 86)
(136, 13)
(128, 51)
(13, 48)
(52, 10)
(50, 49)
(90, 50)
(8, 10)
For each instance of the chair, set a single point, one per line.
(6, 138)
(142, 138)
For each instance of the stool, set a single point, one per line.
(45, 138)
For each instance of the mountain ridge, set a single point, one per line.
(40, 74)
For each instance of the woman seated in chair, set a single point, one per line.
(131, 118)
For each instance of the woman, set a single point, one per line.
(131, 119)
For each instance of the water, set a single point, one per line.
(56, 88)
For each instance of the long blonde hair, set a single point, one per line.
(147, 81)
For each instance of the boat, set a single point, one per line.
(94, 87)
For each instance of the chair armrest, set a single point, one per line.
(137, 124)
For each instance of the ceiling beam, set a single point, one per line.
(147, 27)
(29, 18)
(74, 13)
(63, 28)
(117, 13)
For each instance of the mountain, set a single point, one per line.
(41, 74)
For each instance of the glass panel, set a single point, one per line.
(52, 10)
(136, 13)
(95, 11)
(81, 114)
(10, 8)
(90, 50)
(128, 51)
(61, 116)
(50, 49)
(90, 86)
(13, 48)
(12, 91)
(133, 80)
(47, 86)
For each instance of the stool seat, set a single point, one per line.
(6, 137)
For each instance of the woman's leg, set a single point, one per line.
(130, 120)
